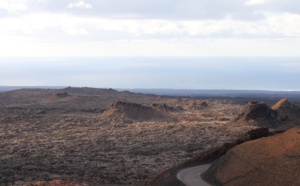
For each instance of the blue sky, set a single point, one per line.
(151, 43)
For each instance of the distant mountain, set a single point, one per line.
(9, 88)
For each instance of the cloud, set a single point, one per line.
(45, 26)
(75, 31)
(80, 5)
(177, 9)
(248, 10)
(255, 2)
(157, 24)
(13, 6)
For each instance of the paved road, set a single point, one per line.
(191, 176)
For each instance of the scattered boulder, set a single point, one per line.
(133, 111)
(257, 114)
(267, 161)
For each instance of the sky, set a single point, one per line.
(185, 44)
(80, 28)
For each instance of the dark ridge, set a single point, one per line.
(89, 90)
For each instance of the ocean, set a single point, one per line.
(233, 73)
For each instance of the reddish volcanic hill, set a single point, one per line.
(286, 111)
(282, 115)
(267, 161)
(133, 111)
(258, 114)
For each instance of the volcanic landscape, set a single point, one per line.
(107, 137)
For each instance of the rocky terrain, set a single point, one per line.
(95, 136)
(281, 116)
(52, 183)
(169, 177)
(107, 137)
(266, 161)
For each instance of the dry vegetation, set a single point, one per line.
(63, 134)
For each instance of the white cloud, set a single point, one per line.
(20, 47)
(42, 23)
(61, 34)
(284, 25)
(80, 4)
(255, 2)
(75, 31)
(13, 6)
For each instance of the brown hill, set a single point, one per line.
(267, 161)
(258, 114)
(133, 111)
(286, 111)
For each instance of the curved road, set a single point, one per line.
(191, 176)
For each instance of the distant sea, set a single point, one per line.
(228, 73)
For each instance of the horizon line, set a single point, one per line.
(188, 89)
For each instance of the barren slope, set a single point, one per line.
(266, 161)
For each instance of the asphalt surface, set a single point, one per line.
(191, 176)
